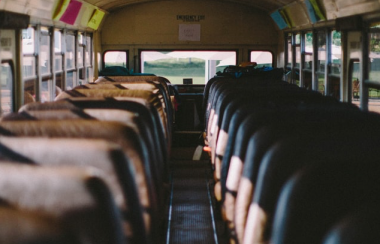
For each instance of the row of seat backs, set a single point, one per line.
(161, 83)
(138, 205)
(317, 116)
(258, 99)
(277, 152)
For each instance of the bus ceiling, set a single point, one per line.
(287, 14)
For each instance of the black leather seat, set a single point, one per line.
(361, 226)
(330, 187)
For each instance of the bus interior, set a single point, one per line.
(189, 121)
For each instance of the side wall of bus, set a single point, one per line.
(338, 58)
(40, 60)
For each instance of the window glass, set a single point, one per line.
(321, 44)
(58, 62)
(28, 41)
(81, 39)
(7, 93)
(374, 100)
(46, 90)
(298, 50)
(29, 68)
(176, 66)
(262, 58)
(355, 83)
(70, 50)
(29, 91)
(57, 41)
(90, 75)
(308, 50)
(71, 80)
(81, 42)
(336, 52)
(29, 62)
(290, 56)
(321, 51)
(375, 25)
(374, 56)
(307, 79)
(115, 58)
(374, 70)
(58, 50)
(45, 51)
(80, 56)
(321, 83)
(82, 77)
(58, 83)
(88, 51)
(334, 85)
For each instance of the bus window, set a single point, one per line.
(88, 58)
(374, 69)
(70, 51)
(29, 67)
(57, 50)
(7, 92)
(308, 50)
(289, 57)
(80, 50)
(29, 64)
(81, 57)
(262, 58)
(58, 58)
(47, 90)
(308, 61)
(336, 52)
(335, 65)
(44, 53)
(321, 42)
(297, 64)
(115, 58)
(176, 66)
(354, 75)
(71, 77)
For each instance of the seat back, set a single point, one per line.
(108, 158)
(80, 200)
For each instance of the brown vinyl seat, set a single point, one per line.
(128, 118)
(148, 96)
(78, 199)
(26, 227)
(115, 132)
(108, 158)
(139, 107)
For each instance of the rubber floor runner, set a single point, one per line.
(191, 215)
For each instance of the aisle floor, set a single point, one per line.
(192, 214)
